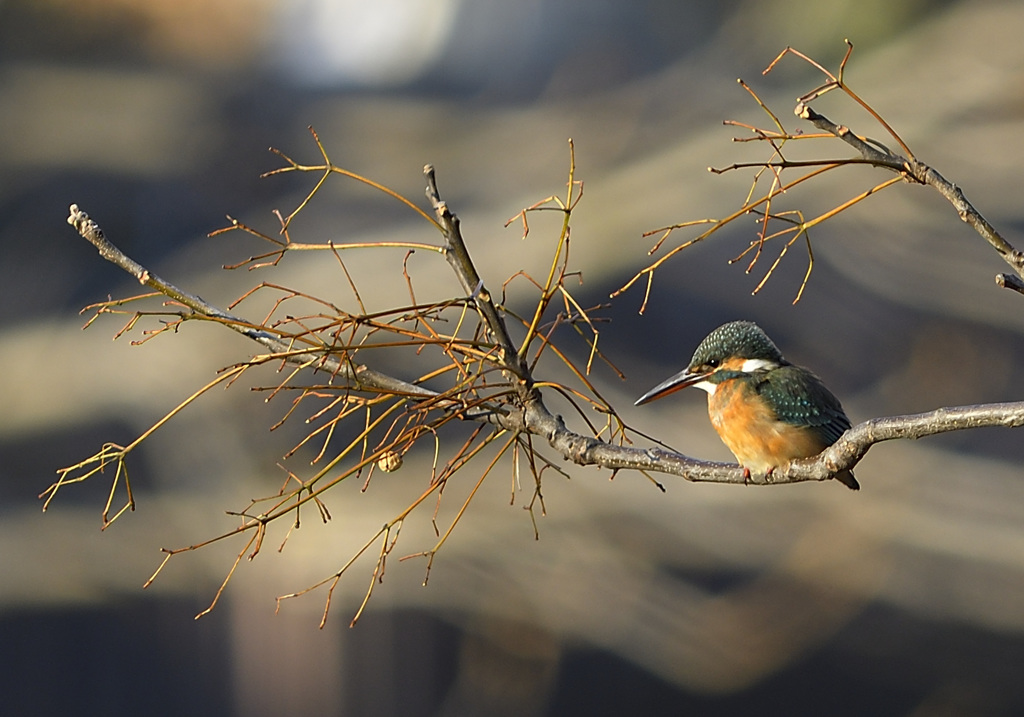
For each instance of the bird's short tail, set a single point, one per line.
(847, 479)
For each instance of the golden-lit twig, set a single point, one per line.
(328, 168)
(112, 453)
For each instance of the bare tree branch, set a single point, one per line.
(871, 151)
(458, 258)
(491, 381)
(360, 375)
(920, 172)
(534, 417)
(1009, 281)
(844, 454)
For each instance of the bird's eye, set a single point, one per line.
(713, 363)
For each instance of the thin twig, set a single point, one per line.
(361, 375)
(920, 172)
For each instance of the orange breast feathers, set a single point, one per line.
(749, 427)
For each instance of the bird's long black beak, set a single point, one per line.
(670, 385)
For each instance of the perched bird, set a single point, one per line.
(765, 409)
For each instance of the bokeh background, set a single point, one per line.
(155, 117)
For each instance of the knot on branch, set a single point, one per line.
(579, 450)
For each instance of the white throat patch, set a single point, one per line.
(706, 386)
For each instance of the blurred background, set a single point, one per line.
(155, 117)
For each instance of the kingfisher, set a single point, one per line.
(765, 409)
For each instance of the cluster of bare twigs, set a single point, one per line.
(463, 341)
(464, 345)
(794, 226)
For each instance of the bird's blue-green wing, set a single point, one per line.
(800, 398)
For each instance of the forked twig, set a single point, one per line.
(870, 152)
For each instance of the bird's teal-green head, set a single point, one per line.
(730, 351)
(740, 344)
